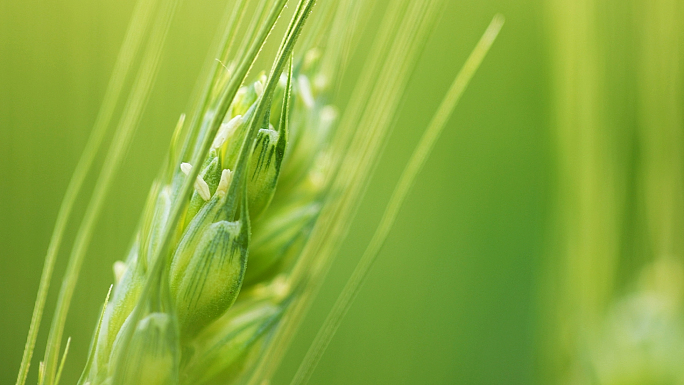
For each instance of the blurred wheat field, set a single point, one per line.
(453, 296)
(614, 289)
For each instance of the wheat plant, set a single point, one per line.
(257, 191)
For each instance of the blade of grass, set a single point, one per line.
(345, 24)
(61, 364)
(131, 44)
(124, 132)
(406, 180)
(320, 24)
(253, 28)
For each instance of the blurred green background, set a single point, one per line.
(462, 291)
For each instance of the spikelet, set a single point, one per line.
(170, 314)
(209, 258)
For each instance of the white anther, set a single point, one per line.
(202, 188)
(221, 136)
(200, 185)
(119, 270)
(282, 81)
(226, 176)
(186, 168)
(305, 91)
(225, 131)
(259, 88)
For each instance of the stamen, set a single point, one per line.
(186, 168)
(200, 185)
(259, 88)
(226, 176)
(202, 188)
(225, 131)
(119, 270)
(282, 81)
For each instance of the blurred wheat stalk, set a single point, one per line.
(614, 297)
(257, 191)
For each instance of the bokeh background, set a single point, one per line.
(530, 250)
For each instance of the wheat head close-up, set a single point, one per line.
(255, 192)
